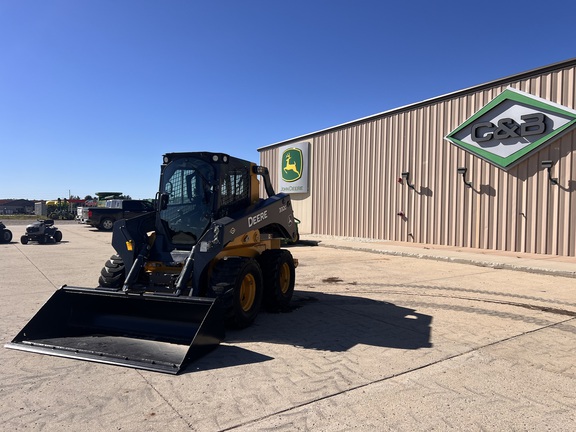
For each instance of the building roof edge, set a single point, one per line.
(499, 81)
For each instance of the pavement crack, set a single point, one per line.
(166, 401)
(393, 376)
(467, 291)
(36, 267)
(552, 310)
(549, 309)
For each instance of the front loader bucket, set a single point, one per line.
(151, 332)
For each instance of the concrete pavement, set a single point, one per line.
(534, 263)
(380, 338)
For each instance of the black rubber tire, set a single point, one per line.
(24, 239)
(279, 274)
(106, 224)
(297, 239)
(6, 236)
(113, 273)
(58, 236)
(244, 277)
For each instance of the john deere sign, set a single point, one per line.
(294, 168)
(513, 125)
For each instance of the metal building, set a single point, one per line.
(489, 167)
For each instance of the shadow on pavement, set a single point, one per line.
(327, 322)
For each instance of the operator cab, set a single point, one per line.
(187, 213)
(198, 188)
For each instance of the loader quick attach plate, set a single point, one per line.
(151, 332)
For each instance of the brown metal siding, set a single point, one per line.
(355, 169)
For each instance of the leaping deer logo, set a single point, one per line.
(290, 166)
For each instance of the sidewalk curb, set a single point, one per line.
(460, 260)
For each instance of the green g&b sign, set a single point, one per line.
(513, 125)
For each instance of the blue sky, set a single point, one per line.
(93, 92)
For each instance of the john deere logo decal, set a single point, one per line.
(511, 126)
(291, 165)
(294, 167)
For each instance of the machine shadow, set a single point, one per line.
(48, 243)
(326, 322)
(225, 356)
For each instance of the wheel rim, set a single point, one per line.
(107, 224)
(284, 278)
(247, 292)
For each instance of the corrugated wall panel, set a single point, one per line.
(356, 193)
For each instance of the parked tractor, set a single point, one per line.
(42, 231)
(5, 234)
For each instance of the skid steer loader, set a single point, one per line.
(209, 255)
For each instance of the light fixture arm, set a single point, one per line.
(548, 165)
(462, 171)
(406, 178)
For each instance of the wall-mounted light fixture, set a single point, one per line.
(406, 178)
(548, 165)
(462, 171)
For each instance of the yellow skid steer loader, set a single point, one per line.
(209, 255)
